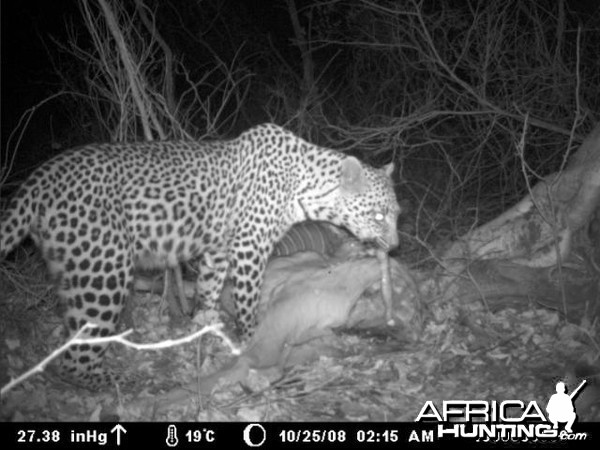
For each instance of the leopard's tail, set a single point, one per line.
(16, 220)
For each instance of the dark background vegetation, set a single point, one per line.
(445, 88)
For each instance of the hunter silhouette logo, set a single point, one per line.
(560, 406)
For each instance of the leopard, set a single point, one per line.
(98, 211)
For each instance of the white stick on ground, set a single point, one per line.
(386, 285)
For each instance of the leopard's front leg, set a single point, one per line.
(212, 272)
(247, 272)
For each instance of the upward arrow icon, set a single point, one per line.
(118, 429)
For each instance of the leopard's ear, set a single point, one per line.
(389, 169)
(352, 175)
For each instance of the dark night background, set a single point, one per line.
(367, 96)
(31, 30)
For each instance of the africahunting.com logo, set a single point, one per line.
(509, 420)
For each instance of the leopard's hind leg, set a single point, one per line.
(94, 278)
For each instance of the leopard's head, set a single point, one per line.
(366, 203)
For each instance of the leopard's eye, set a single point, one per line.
(379, 217)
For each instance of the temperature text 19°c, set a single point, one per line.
(203, 435)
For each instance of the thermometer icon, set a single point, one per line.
(172, 440)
